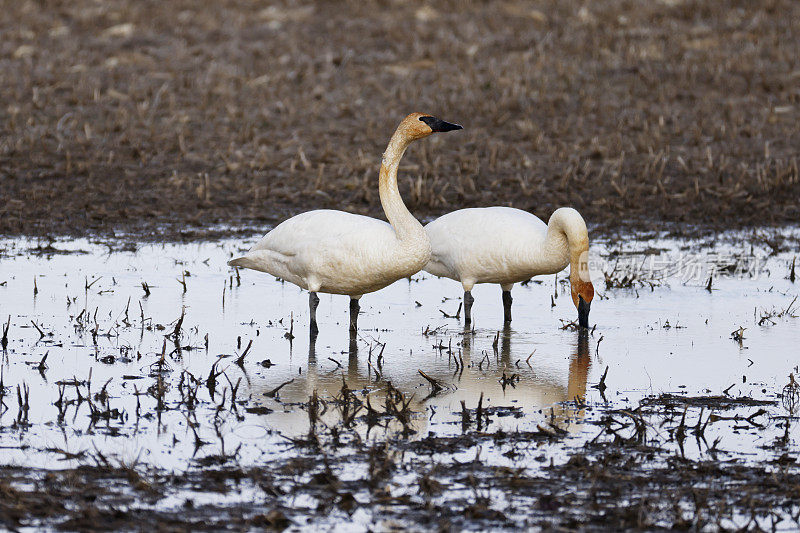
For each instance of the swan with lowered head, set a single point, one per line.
(506, 246)
(343, 253)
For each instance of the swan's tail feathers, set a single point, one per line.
(244, 262)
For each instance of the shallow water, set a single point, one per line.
(666, 334)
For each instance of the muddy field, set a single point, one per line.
(146, 385)
(123, 115)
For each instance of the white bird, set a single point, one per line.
(506, 246)
(344, 253)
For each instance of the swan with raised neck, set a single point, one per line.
(343, 253)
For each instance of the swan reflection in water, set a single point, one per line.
(540, 387)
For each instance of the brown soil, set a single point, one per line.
(133, 115)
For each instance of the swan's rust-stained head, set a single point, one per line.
(582, 294)
(581, 287)
(419, 125)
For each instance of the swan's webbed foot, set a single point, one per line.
(354, 309)
(507, 306)
(468, 299)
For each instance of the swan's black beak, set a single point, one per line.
(439, 125)
(583, 312)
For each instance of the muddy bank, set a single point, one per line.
(176, 117)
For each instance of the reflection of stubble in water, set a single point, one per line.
(482, 373)
(543, 391)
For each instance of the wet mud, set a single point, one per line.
(152, 386)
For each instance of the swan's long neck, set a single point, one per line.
(405, 225)
(568, 239)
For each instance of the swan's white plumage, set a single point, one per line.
(500, 245)
(336, 252)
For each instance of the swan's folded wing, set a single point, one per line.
(482, 244)
(324, 230)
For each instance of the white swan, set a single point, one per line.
(506, 246)
(343, 253)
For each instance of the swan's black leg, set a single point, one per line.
(354, 308)
(313, 302)
(507, 305)
(468, 299)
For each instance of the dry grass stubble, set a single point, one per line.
(127, 115)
